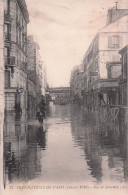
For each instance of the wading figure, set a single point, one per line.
(40, 115)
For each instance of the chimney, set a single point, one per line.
(109, 17)
(115, 14)
(116, 4)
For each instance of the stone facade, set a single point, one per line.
(37, 78)
(103, 56)
(34, 65)
(16, 18)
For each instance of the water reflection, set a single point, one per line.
(41, 137)
(21, 141)
(77, 146)
(105, 148)
(85, 137)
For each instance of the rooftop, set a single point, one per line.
(23, 7)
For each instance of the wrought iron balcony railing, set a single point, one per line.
(7, 15)
(9, 61)
(7, 37)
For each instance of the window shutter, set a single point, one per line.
(110, 41)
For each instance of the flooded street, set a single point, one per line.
(70, 147)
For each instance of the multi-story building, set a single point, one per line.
(60, 95)
(16, 18)
(34, 64)
(77, 83)
(36, 75)
(102, 52)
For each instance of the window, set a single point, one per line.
(109, 72)
(7, 6)
(7, 79)
(6, 51)
(19, 37)
(6, 55)
(19, 60)
(124, 58)
(22, 23)
(6, 28)
(7, 31)
(113, 41)
(16, 12)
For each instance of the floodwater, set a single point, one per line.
(70, 147)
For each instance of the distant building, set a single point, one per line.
(60, 95)
(34, 64)
(77, 84)
(16, 18)
(35, 75)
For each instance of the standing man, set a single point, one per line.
(42, 106)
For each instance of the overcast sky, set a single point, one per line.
(64, 29)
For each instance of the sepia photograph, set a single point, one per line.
(64, 97)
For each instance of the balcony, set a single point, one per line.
(9, 61)
(7, 16)
(7, 37)
(106, 84)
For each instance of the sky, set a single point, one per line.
(64, 30)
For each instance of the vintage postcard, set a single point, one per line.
(64, 97)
